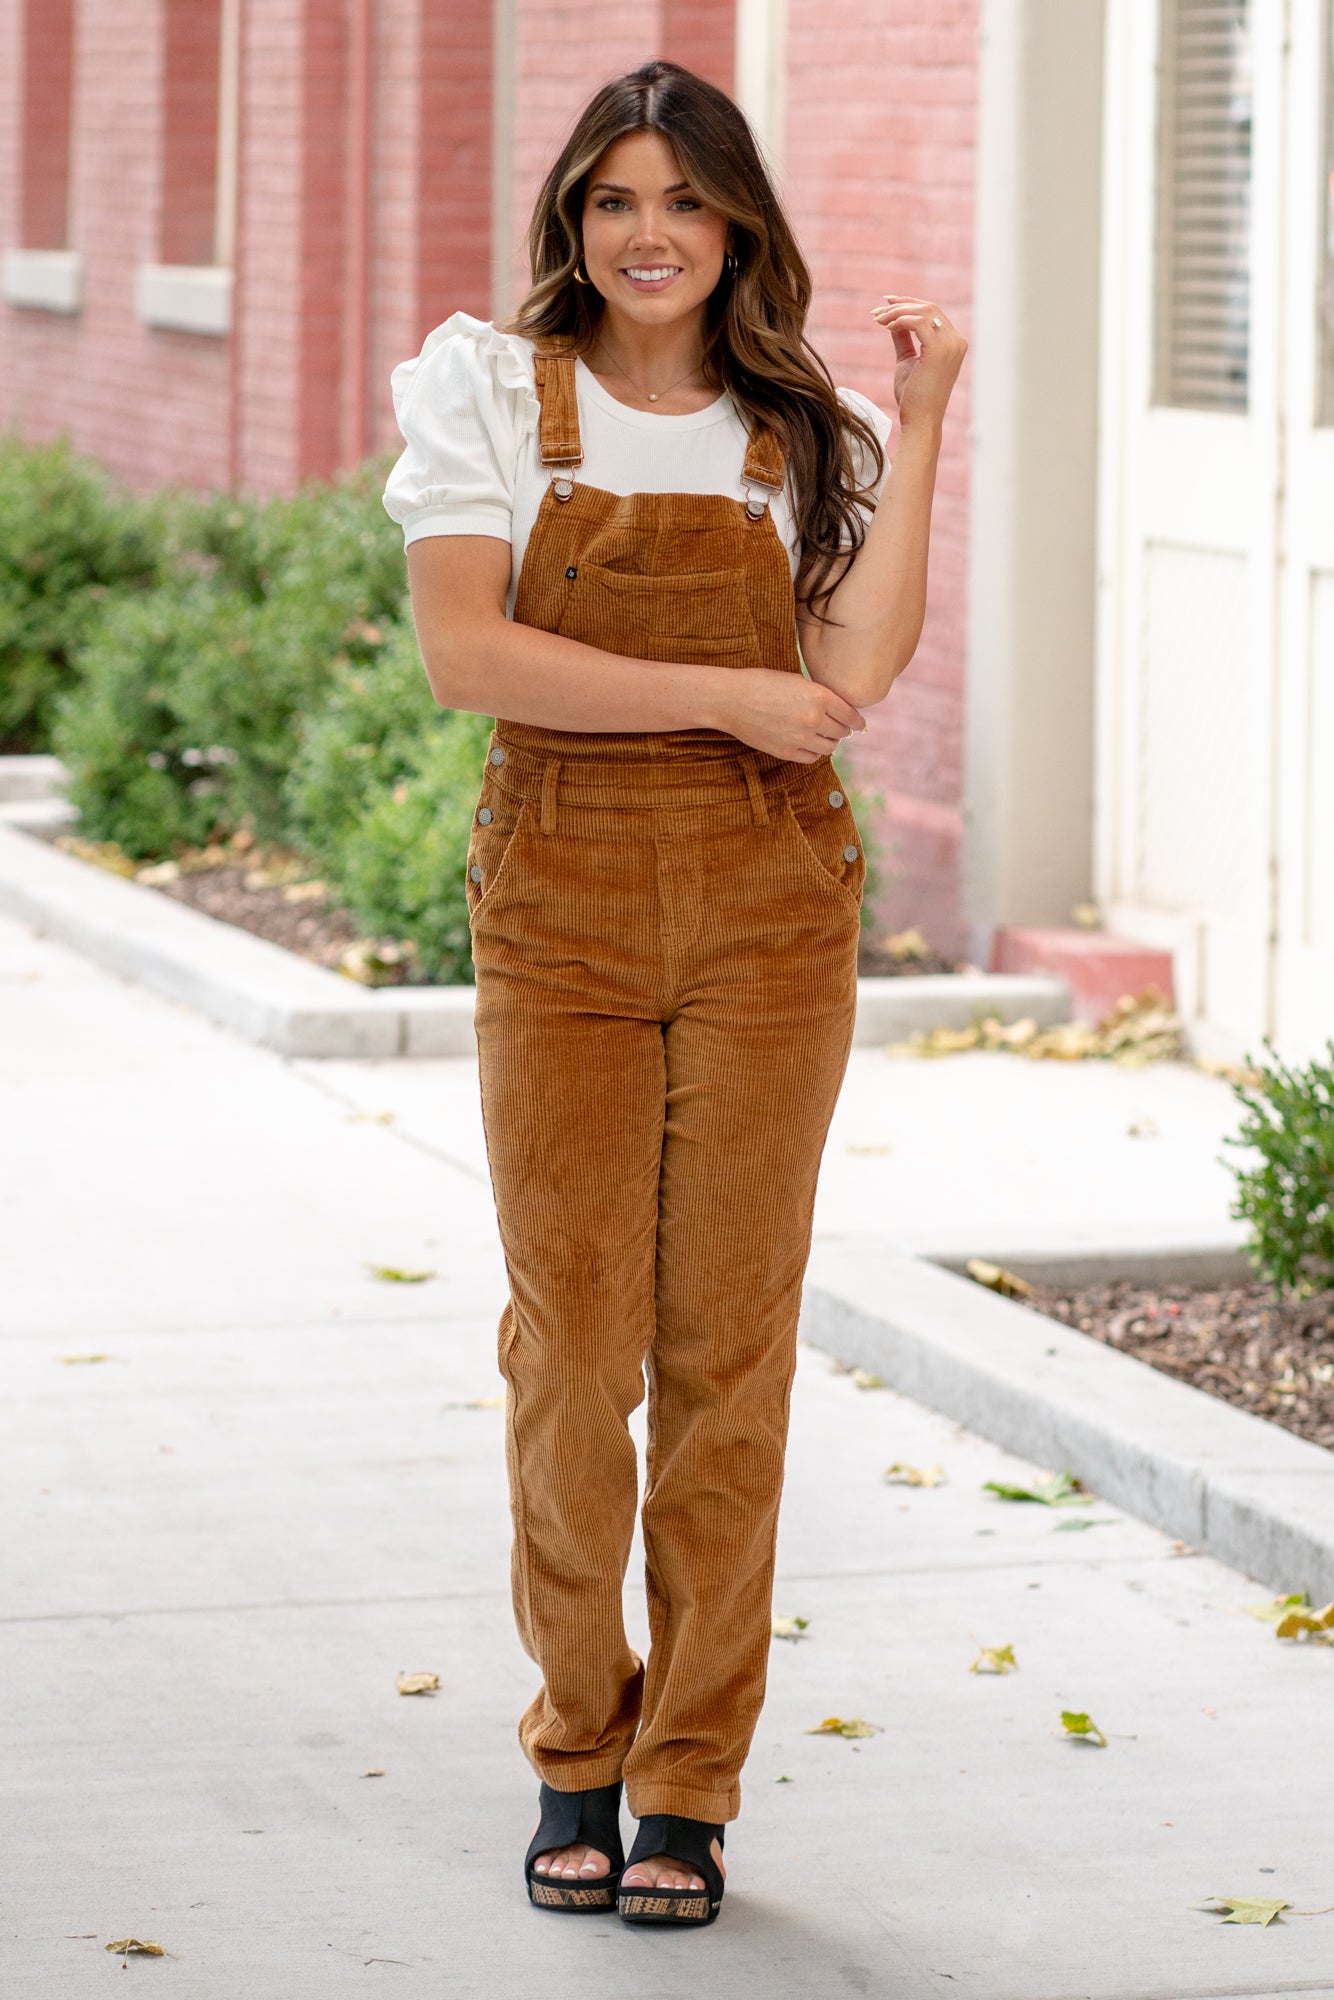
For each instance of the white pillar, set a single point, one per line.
(761, 74)
(1033, 356)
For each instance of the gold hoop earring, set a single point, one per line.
(578, 279)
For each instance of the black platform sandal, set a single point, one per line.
(686, 1841)
(593, 1817)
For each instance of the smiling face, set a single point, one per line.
(651, 246)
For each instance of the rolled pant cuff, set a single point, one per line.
(645, 1797)
(579, 1774)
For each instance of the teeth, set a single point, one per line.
(648, 277)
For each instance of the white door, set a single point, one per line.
(1216, 511)
(1303, 1000)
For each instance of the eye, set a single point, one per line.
(611, 201)
(687, 201)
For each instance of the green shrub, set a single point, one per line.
(1288, 1198)
(204, 681)
(70, 543)
(402, 868)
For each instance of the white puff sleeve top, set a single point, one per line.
(468, 410)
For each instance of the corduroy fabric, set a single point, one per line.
(665, 934)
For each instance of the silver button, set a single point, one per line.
(484, 816)
(836, 798)
(476, 873)
(497, 755)
(849, 854)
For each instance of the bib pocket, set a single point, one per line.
(830, 843)
(696, 619)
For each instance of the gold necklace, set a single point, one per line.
(651, 394)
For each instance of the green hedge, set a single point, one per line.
(71, 545)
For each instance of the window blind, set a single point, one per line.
(1204, 189)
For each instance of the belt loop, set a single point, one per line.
(759, 810)
(550, 779)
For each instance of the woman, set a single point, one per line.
(622, 514)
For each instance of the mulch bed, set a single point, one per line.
(322, 930)
(1272, 1357)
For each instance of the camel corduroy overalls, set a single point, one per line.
(665, 934)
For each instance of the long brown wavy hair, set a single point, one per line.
(755, 339)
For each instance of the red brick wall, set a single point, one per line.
(879, 179)
(189, 131)
(47, 28)
(701, 35)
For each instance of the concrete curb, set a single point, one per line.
(273, 997)
(1222, 1480)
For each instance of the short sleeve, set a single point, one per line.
(465, 405)
(881, 425)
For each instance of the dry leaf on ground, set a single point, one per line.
(144, 1945)
(1247, 1909)
(418, 1683)
(1082, 1727)
(899, 1474)
(393, 1274)
(789, 1628)
(375, 1773)
(864, 1379)
(1277, 1609)
(995, 1660)
(83, 1360)
(997, 1279)
(1317, 1627)
(1138, 1029)
(1050, 1489)
(850, 1726)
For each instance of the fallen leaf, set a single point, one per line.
(1141, 1128)
(144, 1945)
(83, 1360)
(305, 892)
(995, 1660)
(899, 1474)
(1138, 1029)
(837, 1725)
(1083, 1727)
(1050, 1489)
(1315, 1626)
(997, 1279)
(158, 874)
(390, 1274)
(1277, 1609)
(102, 853)
(418, 1683)
(1246, 1909)
(789, 1628)
(864, 1379)
(905, 944)
(1078, 1522)
(782, 1781)
(377, 1773)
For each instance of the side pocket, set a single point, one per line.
(495, 823)
(828, 838)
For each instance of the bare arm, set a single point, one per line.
(880, 599)
(477, 659)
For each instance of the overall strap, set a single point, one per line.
(765, 466)
(558, 430)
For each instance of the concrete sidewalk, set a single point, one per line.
(275, 1495)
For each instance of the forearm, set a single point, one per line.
(492, 666)
(880, 603)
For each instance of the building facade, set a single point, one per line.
(224, 221)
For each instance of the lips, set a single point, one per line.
(650, 277)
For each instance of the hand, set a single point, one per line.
(784, 713)
(923, 375)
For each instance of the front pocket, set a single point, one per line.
(692, 619)
(495, 823)
(828, 839)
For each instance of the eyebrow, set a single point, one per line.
(678, 187)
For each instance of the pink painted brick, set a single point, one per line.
(1099, 968)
